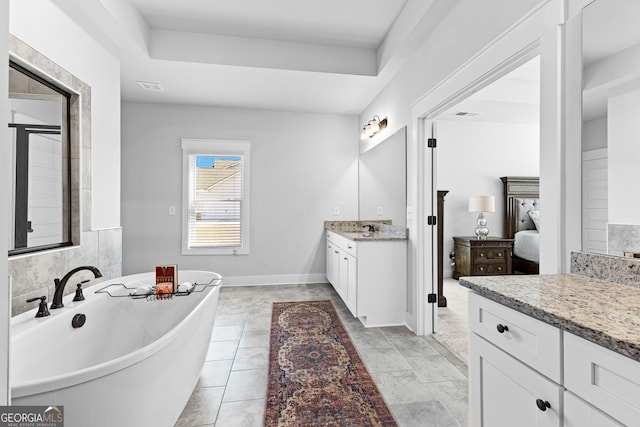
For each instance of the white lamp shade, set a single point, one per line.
(482, 204)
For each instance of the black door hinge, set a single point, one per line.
(431, 143)
(431, 220)
(432, 298)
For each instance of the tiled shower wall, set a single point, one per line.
(33, 275)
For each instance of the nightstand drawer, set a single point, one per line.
(489, 268)
(491, 254)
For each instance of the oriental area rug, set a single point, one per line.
(316, 378)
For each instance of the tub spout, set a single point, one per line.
(61, 283)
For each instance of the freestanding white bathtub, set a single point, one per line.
(133, 363)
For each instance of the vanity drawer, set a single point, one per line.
(604, 378)
(535, 343)
(347, 245)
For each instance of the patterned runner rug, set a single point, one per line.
(316, 378)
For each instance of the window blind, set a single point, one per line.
(215, 201)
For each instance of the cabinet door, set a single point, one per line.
(578, 413)
(605, 379)
(343, 283)
(351, 287)
(333, 264)
(507, 393)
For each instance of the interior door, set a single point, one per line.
(431, 229)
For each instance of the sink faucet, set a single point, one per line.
(371, 227)
(61, 283)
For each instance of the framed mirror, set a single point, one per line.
(382, 180)
(40, 202)
(610, 127)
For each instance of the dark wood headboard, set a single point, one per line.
(517, 187)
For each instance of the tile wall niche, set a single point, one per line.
(33, 275)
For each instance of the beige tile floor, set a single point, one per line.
(423, 383)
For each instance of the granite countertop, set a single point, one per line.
(354, 230)
(603, 312)
(361, 236)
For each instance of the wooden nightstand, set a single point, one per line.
(488, 257)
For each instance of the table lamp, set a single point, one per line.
(482, 204)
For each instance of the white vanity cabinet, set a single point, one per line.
(510, 391)
(370, 276)
(608, 382)
(516, 374)
(578, 413)
(507, 352)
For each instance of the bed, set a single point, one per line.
(522, 207)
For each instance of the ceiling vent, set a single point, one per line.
(465, 114)
(152, 86)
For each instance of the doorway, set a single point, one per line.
(492, 133)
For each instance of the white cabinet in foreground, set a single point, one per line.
(515, 374)
(370, 276)
(508, 352)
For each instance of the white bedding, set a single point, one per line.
(527, 245)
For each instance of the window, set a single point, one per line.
(41, 200)
(215, 213)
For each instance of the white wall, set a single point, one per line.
(468, 27)
(624, 152)
(43, 26)
(472, 156)
(5, 155)
(594, 134)
(299, 172)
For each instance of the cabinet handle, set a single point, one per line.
(502, 328)
(336, 252)
(350, 247)
(346, 259)
(542, 404)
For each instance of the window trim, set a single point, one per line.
(216, 147)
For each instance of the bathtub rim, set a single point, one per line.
(55, 382)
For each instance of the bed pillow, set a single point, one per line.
(535, 217)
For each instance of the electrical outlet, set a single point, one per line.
(379, 211)
(172, 210)
(336, 210)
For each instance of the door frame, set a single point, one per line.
(541, 32)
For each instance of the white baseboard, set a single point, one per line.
(282, 279)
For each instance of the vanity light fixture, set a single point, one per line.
(372, 127)
(482, 204)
